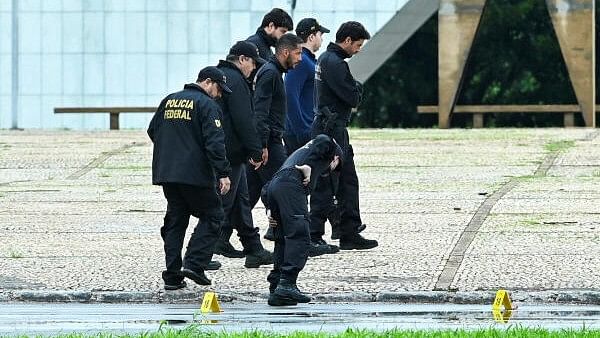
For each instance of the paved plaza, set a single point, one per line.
(458, 214)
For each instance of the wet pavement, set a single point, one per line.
(48, 319)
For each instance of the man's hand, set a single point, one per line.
(224, 185)
(255, 164)
(305, 169)
(265, 156)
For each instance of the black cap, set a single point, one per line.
(248, 49)
(214, 74)
(308, 26)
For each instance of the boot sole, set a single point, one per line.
(230, 254)
(281, 301)
(350, 247)
(307, 300)
(195, 277)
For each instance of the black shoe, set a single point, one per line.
(197, 276)
(270, 235)
(177, 286)
(289, 290)
(213, 265)
(320, 247)
(357, 242)
(336, 233)
(224, 248)
(276, 300)
(254, 260)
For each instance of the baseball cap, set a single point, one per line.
(248, 49)
(308, 26)
(216, 75)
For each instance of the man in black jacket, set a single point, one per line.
(336, 93)
(242, 146)
(274, 24)
(189, 149)
(285, 198)
(270, 109)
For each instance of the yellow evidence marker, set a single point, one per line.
(502, 298)
(210, 303)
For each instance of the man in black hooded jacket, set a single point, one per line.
(286, 199)
(242, 146)
(336, 93)
(274, 24)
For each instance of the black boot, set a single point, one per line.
(197, 276)
(320, 247)
(213, 265)
(288, 289)
(356, 242)
(224, 248)
(276, 300)
(256, 259)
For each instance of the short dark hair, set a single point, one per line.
(279, 18)
(352, 29)
(232, 58)
(288, 41)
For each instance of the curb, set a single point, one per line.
(589, 297)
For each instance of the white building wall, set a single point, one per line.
(134, 52)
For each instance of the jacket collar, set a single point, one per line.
(270, 41)
(335, 48)
(195, 86)
(308, 52)
(231, 65)
(273, 60)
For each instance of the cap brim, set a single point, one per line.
(224, 87)
(324, 30)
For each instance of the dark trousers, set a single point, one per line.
(321, 199)
(238, 213)
(183, 201)
(288, 203)
(293, 142)
(258, 178)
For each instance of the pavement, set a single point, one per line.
(458, 214)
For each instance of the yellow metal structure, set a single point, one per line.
(210, 303)
(502, 316)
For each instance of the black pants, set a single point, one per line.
(287, 199)
(347, 189)
(238, 213)
(183, 201)
(293, 142)
(258, 178)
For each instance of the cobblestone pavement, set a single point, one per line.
(458, 214)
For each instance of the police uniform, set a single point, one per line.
(188, 157)
(270, 110)
(336, 94)
(286, 198)
(242, 143)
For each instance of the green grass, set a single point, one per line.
(559, 146)
(199, 331)
(12, 253)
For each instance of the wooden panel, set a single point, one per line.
(104, 109)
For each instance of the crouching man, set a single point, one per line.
(286, 200)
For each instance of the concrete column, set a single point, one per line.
(458, 21)
(574, 23)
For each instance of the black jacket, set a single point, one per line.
(270, 105)
(189, 144)
(263, 42)
(335, 86)
(318, 154)
(241, 139)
